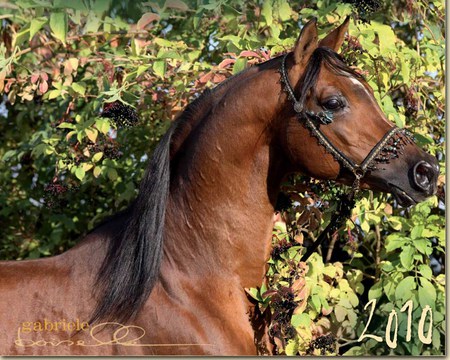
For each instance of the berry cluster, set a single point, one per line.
(351, 50)
(54, 195)
(364, 8)
(109, 147)
(324, 343)
(122, 115)
(284, 305)
(280, 248)
(411, 103)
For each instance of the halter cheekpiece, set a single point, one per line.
(389, 147)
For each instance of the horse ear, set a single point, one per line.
(335, 38)
(306, 42)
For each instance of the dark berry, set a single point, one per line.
(364, 8)
(123, 115)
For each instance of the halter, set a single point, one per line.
(389, 147)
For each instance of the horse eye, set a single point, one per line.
(332, 104)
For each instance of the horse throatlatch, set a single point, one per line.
(389, 147)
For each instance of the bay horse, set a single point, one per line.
(167, 276)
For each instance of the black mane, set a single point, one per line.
(131, 266)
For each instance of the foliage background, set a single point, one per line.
(64, 167)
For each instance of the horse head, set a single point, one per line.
(333, 127)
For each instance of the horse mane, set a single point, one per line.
(133, 257)
(132, 262)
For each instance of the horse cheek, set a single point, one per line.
(306, 155)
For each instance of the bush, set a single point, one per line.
(71, 157)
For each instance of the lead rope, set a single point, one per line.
(347, 201)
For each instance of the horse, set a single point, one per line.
(167, 275)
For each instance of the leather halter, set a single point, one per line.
(387, 148)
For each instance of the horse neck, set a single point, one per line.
(225, 180)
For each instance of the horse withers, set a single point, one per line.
(167, 276)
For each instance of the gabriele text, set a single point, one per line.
(54, 326)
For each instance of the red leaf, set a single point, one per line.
(146, 19)
(34, 78)
(226, 62)
(204, 79)
(43, 86)
(177, 4)
(248, 53)
(217, 78)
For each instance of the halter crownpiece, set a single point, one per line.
(389, 147)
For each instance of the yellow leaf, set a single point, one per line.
(87, 167)
(92, 134)
(97, 157)
(97, 171)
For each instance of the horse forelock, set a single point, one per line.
(323, 56)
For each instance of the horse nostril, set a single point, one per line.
(424, 176)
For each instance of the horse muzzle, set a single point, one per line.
(422, 177)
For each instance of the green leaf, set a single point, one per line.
(406, 257)
(427, 293)
(355, 351)
(423, 245)
(80, 88)
(405, 287)
(395, 223)
(239, 65)
(423, 140)
(315, 299)
(163, 54)
(416, 231)
(92, 23)
(425, 271)
(387, 266)
(80, 173)
(66, 125)
(58, 25)
(36, 25)
(267, 11)
(300, 320)
(291, 348)
(159, 67)
(102, 125)
(8, 155)
(376, 290)
(254, 293)
(22, 35)
(64, 4)
(395, 241)
(284, 10)
(40, 149)
(100, 6)
(386, 36)
(112, 174)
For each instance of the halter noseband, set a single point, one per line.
(389, 147)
